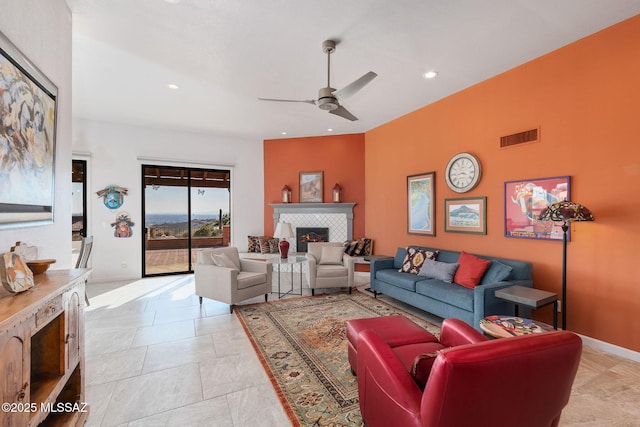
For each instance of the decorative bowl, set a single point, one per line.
(39, 266)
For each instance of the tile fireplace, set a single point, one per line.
(336, 217)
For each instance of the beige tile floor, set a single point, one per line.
(155, 357)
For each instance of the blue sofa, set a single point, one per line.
(449, 299)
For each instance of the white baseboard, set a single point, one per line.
(611, 348)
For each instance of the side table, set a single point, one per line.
(531, 298)
(291, 261)
(512, 326)
(366, 259)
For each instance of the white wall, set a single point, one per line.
(41, 30)
(115, 150)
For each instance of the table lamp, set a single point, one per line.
(283, 231)
(565, 212)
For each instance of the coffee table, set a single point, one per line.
(511, 326)
(290, 262)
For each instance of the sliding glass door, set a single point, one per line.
(184, 209)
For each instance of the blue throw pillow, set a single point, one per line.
(497, 272)
(438, 270)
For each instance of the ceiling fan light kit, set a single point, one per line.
(328, 97)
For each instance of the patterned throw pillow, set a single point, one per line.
(367, 249)
(360, 247)
(350, 247)
(268, 245)
(253, 243)
(415, 258)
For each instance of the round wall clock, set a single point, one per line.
(463, 172)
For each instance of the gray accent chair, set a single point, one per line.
(234, 283)
(330, 270)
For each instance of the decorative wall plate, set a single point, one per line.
(112, 196)
(463, 172)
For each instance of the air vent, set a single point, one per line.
(519, 138)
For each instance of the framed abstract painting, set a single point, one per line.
(421, 203)
(27, 140)
(524, 200)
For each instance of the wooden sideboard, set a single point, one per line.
(42, 352)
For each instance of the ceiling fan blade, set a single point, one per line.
(355, 86)
(308, 101)
(344, 113)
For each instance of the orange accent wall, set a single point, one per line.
(339, 157)
(585, 99)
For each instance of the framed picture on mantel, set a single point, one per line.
(311, 187)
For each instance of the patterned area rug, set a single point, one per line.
(302, 344)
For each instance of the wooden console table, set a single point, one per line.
(42, 351)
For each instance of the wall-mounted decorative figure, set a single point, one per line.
(123, 225)
(112, 196)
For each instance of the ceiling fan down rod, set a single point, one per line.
(328, 47)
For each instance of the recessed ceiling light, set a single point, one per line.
(283, 133)
(173, 86)
(430, 74)
(329, 130)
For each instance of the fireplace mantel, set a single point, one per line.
(313, 208)
(316, 210)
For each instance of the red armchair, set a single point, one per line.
(521, 381)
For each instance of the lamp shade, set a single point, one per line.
(565, 212)
(283, 230)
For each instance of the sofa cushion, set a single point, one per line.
(414, 259)
(222, 260)
(402, 280)
(247, 279)
(497, 272)
(470, 270)
(438, 270)
(331, 255)
(448, 293)
(331, 270)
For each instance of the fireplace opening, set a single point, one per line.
(306, 235)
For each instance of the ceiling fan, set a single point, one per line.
(328, 97)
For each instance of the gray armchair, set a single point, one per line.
(329, 266)
(221, 275)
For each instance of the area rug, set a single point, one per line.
(302, 344)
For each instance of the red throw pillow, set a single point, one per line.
(470, 270)
(421, 368)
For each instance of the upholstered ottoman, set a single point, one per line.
(394, 330)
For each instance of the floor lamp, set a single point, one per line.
(565, 212)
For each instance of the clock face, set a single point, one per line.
(463, 172)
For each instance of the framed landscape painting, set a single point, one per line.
(311, 187)
(27, 140)
(524, 200)
(420, 204)
(466, 215)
